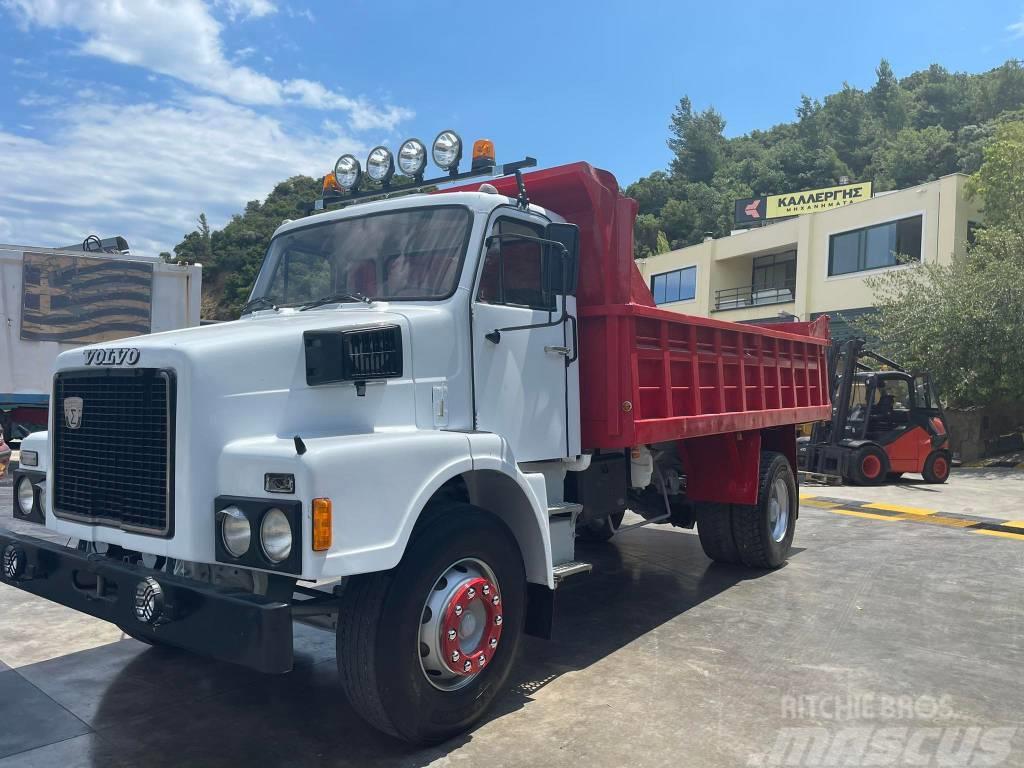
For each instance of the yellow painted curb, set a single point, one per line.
(868, 515)
(1003, 534)
(900, 508)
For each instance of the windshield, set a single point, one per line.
(405, 254)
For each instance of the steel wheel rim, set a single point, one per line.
(940, 467)
(778, 509)
(479, 627)
(871, 466)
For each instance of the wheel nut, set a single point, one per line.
(458, 610)
(470, 593)
(451, 634)
(494, 642)
(455, 656)
(486, 589)
(467, 666)
(494, 599)
(497, 620)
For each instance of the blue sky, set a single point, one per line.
(132, 116)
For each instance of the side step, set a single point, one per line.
(564, 571)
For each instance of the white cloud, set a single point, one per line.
(183, 40)
(145, 171)
(1016, 29)
(249, 9)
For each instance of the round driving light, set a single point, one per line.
(447, 150)
(149, 601)
(412, 157)
(276, 535)
(13, 561)
(347, 172)
(380, 165)
(235, 531)
(25, 496)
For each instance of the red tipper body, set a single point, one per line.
(648, 375)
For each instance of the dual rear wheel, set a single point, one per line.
(758, 535)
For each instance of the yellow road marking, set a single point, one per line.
(1014, 523)
(901, 508)
(868, 515)
(820, 504)
(949, 522)
(1004, 534)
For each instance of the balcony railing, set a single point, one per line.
(753, 296)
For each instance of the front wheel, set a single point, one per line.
(869, 466)
(424, 649)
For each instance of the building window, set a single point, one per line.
(678, 285)
(875, 247)
(775, 272)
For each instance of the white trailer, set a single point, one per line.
(55, 299)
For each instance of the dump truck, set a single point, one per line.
(428, 401)
(54, 299)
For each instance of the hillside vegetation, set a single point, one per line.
(899, 133)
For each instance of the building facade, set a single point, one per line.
(815, 263)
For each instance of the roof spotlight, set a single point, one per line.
(347, 172)
(412, 158)
(380, 165)
(447, 151)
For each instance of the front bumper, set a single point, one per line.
(251, 630)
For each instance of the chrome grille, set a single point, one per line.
(116, 467)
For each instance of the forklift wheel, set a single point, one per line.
(936, 467)
(870, 465)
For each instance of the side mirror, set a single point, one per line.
(569, 236)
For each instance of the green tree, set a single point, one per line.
(962, 320)
(697, 142)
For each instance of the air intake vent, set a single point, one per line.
(356, 355)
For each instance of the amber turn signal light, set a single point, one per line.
(483, 153)
(322, 525)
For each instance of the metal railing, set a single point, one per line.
(753, 296)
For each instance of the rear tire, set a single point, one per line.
(382, 615)
(714, 528)
(936, 467)
(870, 465)
(764, 531)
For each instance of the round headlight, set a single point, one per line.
(25, 495)
(235, 531)
(447, 150)
(42, 497)
(380, 165)
(347, 172)
(276, 536)
(412, 157)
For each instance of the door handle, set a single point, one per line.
(563, 351)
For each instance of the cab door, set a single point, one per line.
(520, 376)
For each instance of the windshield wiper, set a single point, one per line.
(333, 298)
(259, 301)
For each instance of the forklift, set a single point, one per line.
(884, 423)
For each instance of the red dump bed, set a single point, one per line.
(648, 375)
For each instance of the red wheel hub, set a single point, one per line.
(940, 467)
(472, 615)
(871, 466)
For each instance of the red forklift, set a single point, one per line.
(885, 423)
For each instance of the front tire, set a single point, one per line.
(763, 532)
(870, 465)
(393, 630)
(603, 529)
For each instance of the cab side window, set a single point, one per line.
(513, 270)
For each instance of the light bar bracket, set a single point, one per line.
(492, 171)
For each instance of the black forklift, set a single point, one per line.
(886, 421)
